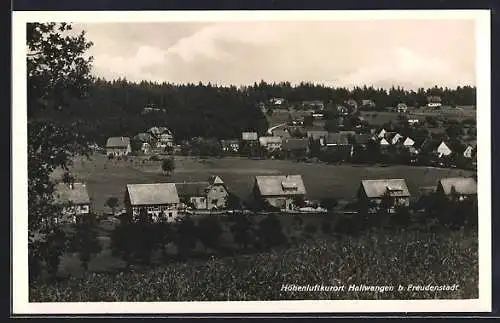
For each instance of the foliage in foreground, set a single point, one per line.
(374, 258)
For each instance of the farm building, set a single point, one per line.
(271, 143)
(249, 136)
(460, 187)
(75, 200)
(118, 146)
(230, 145)
(387, 193)
(313, 104)
(433, 101)
(159, 200)
(280, 191)
(401, 108)
(203, 195)
(157, 131)
(295, 147)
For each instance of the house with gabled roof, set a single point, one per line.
(158, 200)
(271, 143)
(383, 193)
(118, 146)
(470, 150)
(408, 142)
(208, 195)
(74, 199)
(280, 191)
(457, 187)
(393, 137)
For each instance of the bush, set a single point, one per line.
(413, 257)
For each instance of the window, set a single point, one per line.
(214, 201)
(169, 214)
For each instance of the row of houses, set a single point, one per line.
(154, 139)
(349, 140)
(433, 101)
(168, 201)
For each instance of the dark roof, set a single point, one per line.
(121, 142)
(191, 189)
(362, 139)
(143, 136)
(295, 144)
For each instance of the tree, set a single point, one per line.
(167, 165)
(241, 231)
(270, 232)
(332, 125)
(112, 203)
(84, 240)
(185, 236)
(233, 202)
(209, 231)
(57, 73)
(328, 203)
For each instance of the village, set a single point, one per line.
(293, 140)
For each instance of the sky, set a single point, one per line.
(382, 53)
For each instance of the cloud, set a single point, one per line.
(411, 53)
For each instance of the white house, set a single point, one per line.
(443, 149)
(118, 146)
(159, 200)
(408, 142)
(74, 199)
(384, 143)
(382, 133)
(271, 143)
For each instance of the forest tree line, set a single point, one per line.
(115, 108)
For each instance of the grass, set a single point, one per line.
(374, 258)
(109, 178)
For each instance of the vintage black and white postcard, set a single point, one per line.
(293, 162)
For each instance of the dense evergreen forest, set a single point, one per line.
(115, 108)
